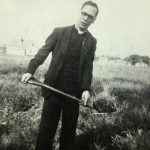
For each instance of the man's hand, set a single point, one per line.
(26, 77)
(85, 97)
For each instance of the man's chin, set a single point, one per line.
(83, 28)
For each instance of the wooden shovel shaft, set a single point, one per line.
(36, 82)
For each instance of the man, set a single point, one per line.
(70, 71)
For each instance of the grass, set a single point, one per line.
(124, 87)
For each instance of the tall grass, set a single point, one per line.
(126, 88)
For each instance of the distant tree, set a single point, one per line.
(113, 58)
(133, 59)
(145, 59)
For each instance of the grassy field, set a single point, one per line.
(127, 87)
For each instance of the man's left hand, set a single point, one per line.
(85, 97)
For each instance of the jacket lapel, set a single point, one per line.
(85, 47)
(65, 40)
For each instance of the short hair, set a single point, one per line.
(91, 3)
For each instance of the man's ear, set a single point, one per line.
(93, 20)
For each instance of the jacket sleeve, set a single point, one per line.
(88, 70)
(43, 52)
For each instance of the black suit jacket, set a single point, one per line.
(57, 43)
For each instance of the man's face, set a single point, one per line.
(86, 17)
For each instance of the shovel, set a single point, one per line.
(36, 82)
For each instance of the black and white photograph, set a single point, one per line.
(75, 75)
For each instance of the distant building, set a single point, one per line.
(21, 47)
(3, 49)
(14, 50)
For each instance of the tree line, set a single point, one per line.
(133, 59)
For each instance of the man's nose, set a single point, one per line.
(85, 18)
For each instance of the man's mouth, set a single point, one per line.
(83, 23)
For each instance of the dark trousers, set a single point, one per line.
(52, 108)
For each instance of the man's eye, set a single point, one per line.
(85, 14)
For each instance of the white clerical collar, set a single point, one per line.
(79, 31)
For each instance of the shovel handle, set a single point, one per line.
(36, 82)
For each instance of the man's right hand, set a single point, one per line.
(26, 77)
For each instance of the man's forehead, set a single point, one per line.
(91, 10)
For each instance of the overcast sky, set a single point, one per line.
(122, 26)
